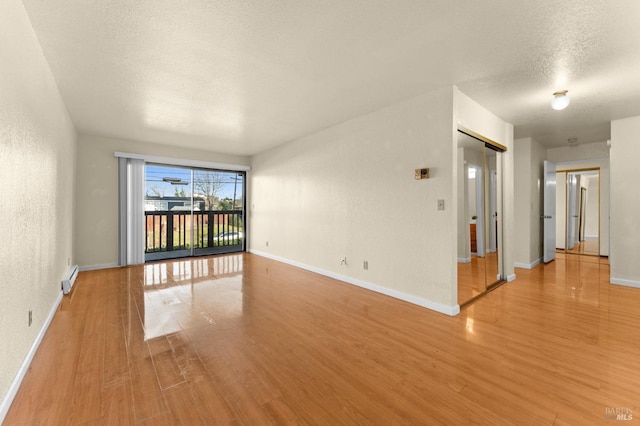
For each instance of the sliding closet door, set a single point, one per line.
(472, 219)
(479, 216)
(491, 216)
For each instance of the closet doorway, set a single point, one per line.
(479, 213)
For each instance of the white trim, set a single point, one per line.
(628, 283)
(444, 309)
(528, 265)
(94, 267)
(511, 277)
(184, 162)
(464, 260)
(6, 402)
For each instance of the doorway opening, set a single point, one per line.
(578, 211)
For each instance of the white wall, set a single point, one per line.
(471, 199)
(584, 157)
(625, 203)
(591, 209)
(97, 192)
(467, 159)
(568, 154)
(464, 237)
(349, 191)
(561, 210)
(37, 160)
(529, 187)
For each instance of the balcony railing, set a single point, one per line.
(172, 230)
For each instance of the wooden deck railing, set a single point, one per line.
(172, 230)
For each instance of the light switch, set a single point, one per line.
(440, 204)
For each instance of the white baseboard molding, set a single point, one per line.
(17, 381)
(528, 265)
(443, 309)
(628, 283)
(511, 277)
(464, 260)
(96, 267)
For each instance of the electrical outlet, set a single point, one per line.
(365, 265)
(440, 204)
(267, 244)
(30, 317)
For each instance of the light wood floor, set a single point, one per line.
(589, 246)
(245, 340)
(474, 278)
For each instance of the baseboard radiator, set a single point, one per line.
(69, 279)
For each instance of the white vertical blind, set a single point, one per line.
(131, 212)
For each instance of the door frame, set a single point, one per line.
(486, 175)
(193, 250)
(566, 213)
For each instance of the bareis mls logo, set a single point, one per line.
(618, 413)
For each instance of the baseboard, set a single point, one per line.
(511, 277)
(95, 267)
(628, 283)
(528, 265)
(443, 309)
(17, 381)
(464, 260)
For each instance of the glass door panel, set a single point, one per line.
(167, 209)
(218, 211)
(190, 212)
(471, 219)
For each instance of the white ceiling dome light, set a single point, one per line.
(560, 100)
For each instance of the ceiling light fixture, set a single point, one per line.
(560, 100)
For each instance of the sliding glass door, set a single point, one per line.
(219, 220)
(190, 212)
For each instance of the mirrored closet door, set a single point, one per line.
(578, 211)
(479, 200)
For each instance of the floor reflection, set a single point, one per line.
(188, 293)
(590, 246)
(472, 276)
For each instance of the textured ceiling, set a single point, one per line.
(242, 76)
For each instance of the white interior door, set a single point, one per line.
(549, 211)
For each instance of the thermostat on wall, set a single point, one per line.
(422, 173)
